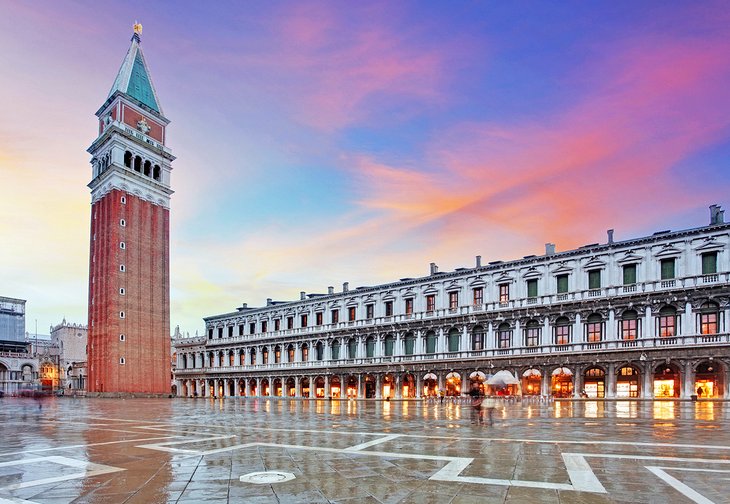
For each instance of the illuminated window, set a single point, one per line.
(503, 293)
(430, 302)
(629, 325)
(478, 296)
(409, 306)
(532, 333)
(290, 353)
(667, 322)
(562, 331)
(709, 318)
(305, 352)
(453, 300)
(594, 328)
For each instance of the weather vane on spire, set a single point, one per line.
(137, 28)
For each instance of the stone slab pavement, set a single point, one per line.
(259, 450)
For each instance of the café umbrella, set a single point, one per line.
(502, 379)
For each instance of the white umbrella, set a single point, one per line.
(430, 376)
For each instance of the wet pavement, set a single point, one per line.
(251, 450)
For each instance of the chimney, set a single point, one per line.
(345, 286)
(479, 261)
(330, 290)
(244, 306)
(549, 249)
(610, 236)
(269, 301)
(717, 216)
(434, 268)
(302, 295)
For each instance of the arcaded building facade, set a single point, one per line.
(640, 318)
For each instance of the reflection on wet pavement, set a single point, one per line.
(291, 451)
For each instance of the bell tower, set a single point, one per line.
(129, 262)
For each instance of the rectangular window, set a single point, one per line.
(290, 322)
(240, 330)
(264, 325)
(594, 279)
(630, 274)
(277, 324)
(304, 320)
(562, 284)
(220, 332)
(478, 296)
(503, 339)
(629, 329)
(503, 293)
(532, 338)
(351, 314)
(210, 333)
(595, 332)
(667, 267)
(409, 306)
(318, 318)
(562, 334)
(667, 326)
(453, 300)
(335, 316)
(252, 328)
(230, 331)
(532, 288)
(369, 311)
(389, 308)
(430, 302)
(709, 263)
(708, 323)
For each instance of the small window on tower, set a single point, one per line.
(121, 360)
(122, 222)
(122, 245)
(121, 314)
(122, 337)
(124, 200)
(122, 291)
(122, 268)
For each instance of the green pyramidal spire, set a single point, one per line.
(133, 77)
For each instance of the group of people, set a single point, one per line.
(483, 406)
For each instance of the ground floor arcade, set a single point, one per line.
(705, 378)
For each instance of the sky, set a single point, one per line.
(327, 142)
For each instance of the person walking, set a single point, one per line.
(486, 411)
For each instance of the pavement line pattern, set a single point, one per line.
(89, 469)
(374, 442)
(684, 489)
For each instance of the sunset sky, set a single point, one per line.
(324, 142)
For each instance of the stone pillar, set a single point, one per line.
(490, 344)
(577, 381)
(258, 383)
(297, 392)
(578, 331)
(419, 386)
(647, 389)
(688, 380)
(610, 380)
(359, 393)
(546, 333)
(311, 388)
(545, 381)
(649, 327)
(441, 383)
(378, 386)
(441, 342)
(465, 346)
(688, 324)
(611, 327)
(398, 387)
(518, 339)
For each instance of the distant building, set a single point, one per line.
(71, 341)
(640, 318)
(18, 368)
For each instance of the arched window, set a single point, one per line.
(629, 325)
(389, 344)
(532, 333)
(667, 322)
(709, 318)
(147, 168)
(128, 159)
(277, 354)
(430, 342)
(231, 358)
(562, 331)
(351, 348)
(156, 172)
(504, 335)
(265, 355)
(410, 343)
(137, 163)
(290, 353)
(336, 349)
(241, 358)
(454, 339)
(252, 356)
(370, 347)
(305, 352)
(594, 328)
(319, 351)
(477, 338)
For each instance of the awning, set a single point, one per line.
(562, 371)
(503, 377)
(453, 375)
(532, 372)
(430, 376)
